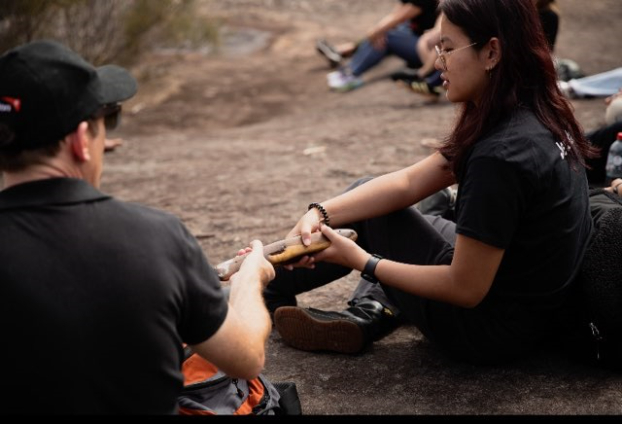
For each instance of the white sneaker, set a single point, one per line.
(344, 82)
(566, 90)
(334, 77)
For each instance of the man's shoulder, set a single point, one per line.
(145, 212)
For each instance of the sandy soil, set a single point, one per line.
(238, 143)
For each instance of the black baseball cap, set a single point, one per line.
(46, 90)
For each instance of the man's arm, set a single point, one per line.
(238, 347)
(401, 13)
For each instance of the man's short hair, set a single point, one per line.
(46, 90)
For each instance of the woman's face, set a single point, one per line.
(464, 77)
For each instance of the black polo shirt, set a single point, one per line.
(96, 298)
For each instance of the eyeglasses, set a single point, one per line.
(442, 53)
(111, 114)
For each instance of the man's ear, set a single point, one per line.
(79, 141)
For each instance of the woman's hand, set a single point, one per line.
(309, 223)
(378, 39)
(615, 187)
(611, 98)
(111, 144)
(342, 251)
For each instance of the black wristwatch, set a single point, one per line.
(370, 269)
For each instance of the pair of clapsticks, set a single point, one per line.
(284, 251)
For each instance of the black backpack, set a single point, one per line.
(209, 391)
(602, 281)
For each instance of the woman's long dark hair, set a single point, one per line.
(524, 77)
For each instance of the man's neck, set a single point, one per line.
(38, 172)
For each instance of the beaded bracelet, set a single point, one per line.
(322, 211)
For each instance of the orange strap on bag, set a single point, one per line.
(209, 391)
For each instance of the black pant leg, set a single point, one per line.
(433, 233)
(404, 236)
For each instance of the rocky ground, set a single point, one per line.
(238, 142)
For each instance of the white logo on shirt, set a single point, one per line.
(564, 150)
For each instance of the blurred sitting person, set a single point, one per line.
(603, 84)
(603, 137)
(395, 34)
(425, 80)
(549, 13)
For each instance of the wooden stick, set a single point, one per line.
(283, 251)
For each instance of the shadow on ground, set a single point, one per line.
(239, 145)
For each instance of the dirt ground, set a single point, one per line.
(239, 141)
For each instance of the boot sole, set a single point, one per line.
(304, 332)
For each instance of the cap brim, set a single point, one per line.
(117, 84)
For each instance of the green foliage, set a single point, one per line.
(184, 29)
(105, 30)
(167, 23)
(141, 18)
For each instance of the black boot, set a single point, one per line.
(348, 331)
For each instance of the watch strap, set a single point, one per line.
(369, 272)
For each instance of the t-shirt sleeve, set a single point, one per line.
(204, 304)
(426, 19)
(492, 196)
(424, 4)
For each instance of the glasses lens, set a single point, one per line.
(111, 114)
(112, 119)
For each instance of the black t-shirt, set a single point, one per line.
(427, 18)
(519, 192)
(96, 298)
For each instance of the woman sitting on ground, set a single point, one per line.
(500, 281)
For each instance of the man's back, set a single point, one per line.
(95, 295)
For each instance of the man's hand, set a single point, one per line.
(256, 262)
(288, 252)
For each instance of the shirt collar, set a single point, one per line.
(54, 191)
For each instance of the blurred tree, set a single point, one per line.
(20, 20)
(104, 30)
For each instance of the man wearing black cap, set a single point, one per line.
(97, 296)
